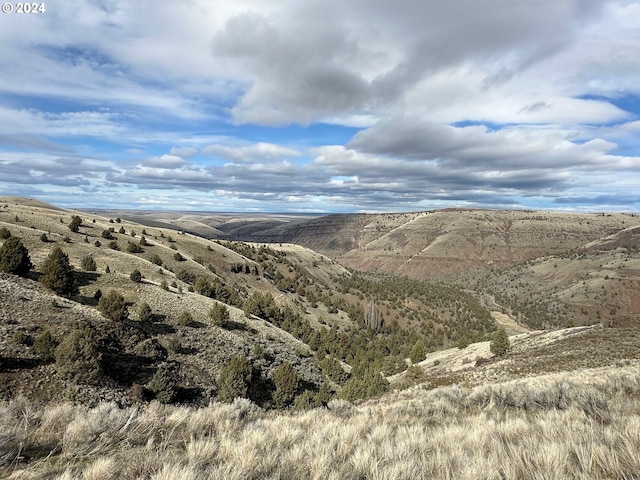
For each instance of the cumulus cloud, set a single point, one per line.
(368, 55)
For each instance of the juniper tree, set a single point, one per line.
(286, 381)
(57, 273)
(112, 306)
(88, 264)
(14, 257)
(500, 343)
(164, 384)
(219, 314)
(78, 357)
(76, 221)
(234, 379)
(136, 276)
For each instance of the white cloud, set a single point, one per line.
(184, 152)
(164, 161)
(260, 151)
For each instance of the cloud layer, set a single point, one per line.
(327, 106)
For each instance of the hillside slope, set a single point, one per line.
(445, 243)
(284, 303)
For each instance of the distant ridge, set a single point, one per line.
(28, 202)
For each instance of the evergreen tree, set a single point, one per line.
(418, 352)
(500, 343)
(286, 381)
(234, 379)
(365, 382)
(164, 384)
(76, 221)
(136, 276)
(112, 306)
(78, 357)
(14, 257)
(57, 273)
(88, 264)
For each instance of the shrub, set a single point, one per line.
(203, 286)
(112, 306)
(177, 257)
(78, 357)
(113, 245)
(155, 258)
(57, 273)
(122, 230)
(14, 257)
(173, 344)
(500, 343)
(219, 314)
(4, 233)
(133, 248)
(286, 381)
(97, 243)
(185, 276)
(143, 242)
(136, 276)
(44, 238)
(144, 312)
(234, 379)
(107, 234)
(45, 346)
(88, 264)
(185, 318)
(76, 221)
(21, 338)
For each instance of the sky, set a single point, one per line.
(322, 106)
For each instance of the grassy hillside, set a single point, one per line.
(446, 243)
(581, 424)
(598, 282)
(208, 302)
(156, 392)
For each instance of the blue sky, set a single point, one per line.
(323, 106)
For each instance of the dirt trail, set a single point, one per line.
(509, 323)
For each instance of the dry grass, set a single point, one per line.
(573, 425)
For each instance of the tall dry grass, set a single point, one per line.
(579, 425)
